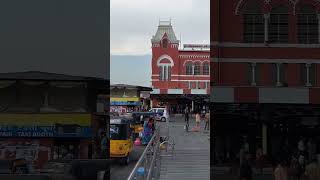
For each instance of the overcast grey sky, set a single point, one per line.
(133, 22)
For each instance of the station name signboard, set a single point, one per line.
(14, 131)
(198, 46)
(41, 131)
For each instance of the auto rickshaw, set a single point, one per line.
(121, 143)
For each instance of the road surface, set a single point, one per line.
(121, 172)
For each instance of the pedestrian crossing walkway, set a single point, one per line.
(191, 159)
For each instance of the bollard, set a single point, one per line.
(140, 173)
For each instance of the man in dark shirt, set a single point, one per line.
(186, 118)
(245, 169)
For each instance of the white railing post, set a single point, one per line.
(253, 66)
(308, 65)
(266, 27)
(319, 27)
(278, 74)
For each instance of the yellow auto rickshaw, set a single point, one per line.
(121, 143)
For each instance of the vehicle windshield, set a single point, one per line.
(118, 132)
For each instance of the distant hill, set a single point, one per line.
(133, 70)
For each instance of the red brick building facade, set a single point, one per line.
(178, 72)
(266, 70)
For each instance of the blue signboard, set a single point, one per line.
(43, 131)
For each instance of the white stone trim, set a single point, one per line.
(177, 75)
(284, 95)
(165, 56)
(244, 60)
(238, 7)
(194, 61)
(155, 91)
(183, 80)
(199, 91)
(259, 45)
(222, 94)
(319, 27)
(175, 91)
(194, 56)
(185, 62)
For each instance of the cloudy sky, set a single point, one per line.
(133, 22)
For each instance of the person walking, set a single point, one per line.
(301, 166)
(186, 119)
(198, 120)
(246, 169)
(104, 145)
(312, 171)
(207, 119)
(281, 173)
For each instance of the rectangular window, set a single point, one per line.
(165, 73)
(278, 28)
(160, 73)
(206, 69)
(312, 74)
(308, 29)
(253, 28)
(189, 69)
(283, 74)
(197, 69)
(274, 73)
(303, 74)
(169, 73)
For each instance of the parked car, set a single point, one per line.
(162, 114)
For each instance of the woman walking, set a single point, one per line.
(198, 120)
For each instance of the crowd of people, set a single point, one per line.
(204, 116)
(300, 164)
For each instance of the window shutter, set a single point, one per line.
(274, 73)
(312, 75)
(160, 73)
(283, 70)
(303, 74)
(257, 73)
(249, 74)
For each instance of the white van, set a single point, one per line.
(162, 114)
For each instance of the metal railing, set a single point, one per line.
(148, 166)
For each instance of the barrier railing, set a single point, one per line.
(148, 166)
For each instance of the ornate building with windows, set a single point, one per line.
(178, 75)
(266, 73)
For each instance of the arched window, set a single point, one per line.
(165, 43)
(253, 22)
(307, 25)
(206, 69)
(189, 70)
(278, 25)
(165, 69)
(197, 70)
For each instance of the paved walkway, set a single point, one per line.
(192, 153)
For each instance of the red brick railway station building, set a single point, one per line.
(265, 74)
(179, 76)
